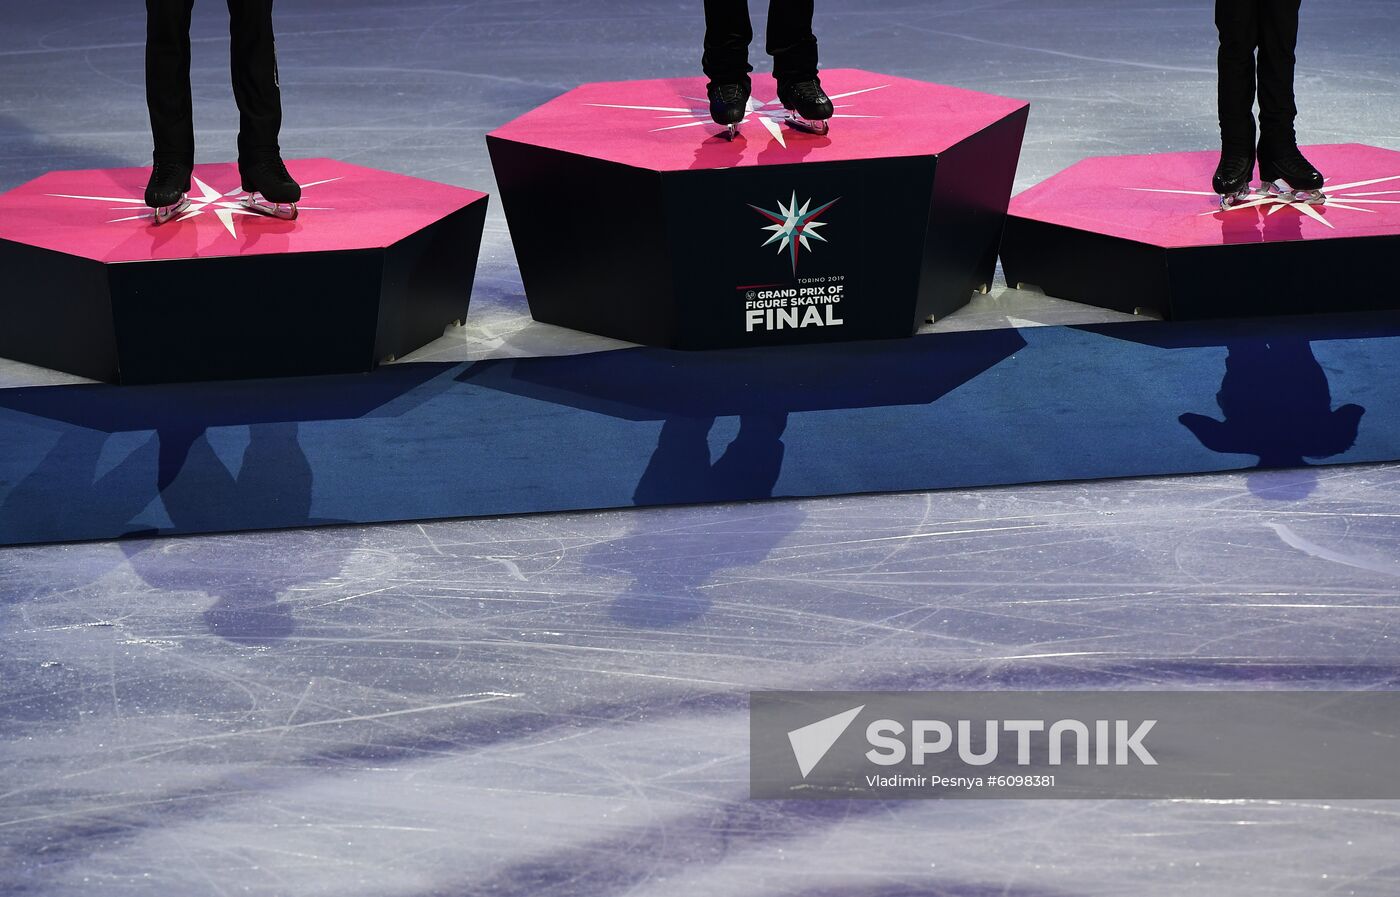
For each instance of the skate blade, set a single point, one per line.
(730, 133)
(820, 128)
(1305, 197)
(1231, 200)
(1285, 193)
(284, 211)
(166, 213)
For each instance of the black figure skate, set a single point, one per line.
(809, 108)
(1286, 173)
(1232, 177)
(729, 106)
(271, 190)
(168, 189)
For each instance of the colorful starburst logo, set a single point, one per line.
(793, 227)
(203, 198)
(769, 113)
(1340, 196)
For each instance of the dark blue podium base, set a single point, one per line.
(655, 427)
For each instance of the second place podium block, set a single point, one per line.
(377, 265)
(633, 218)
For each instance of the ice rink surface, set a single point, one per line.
(556, 705)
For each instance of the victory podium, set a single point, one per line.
(1145, 233)
(632, 217)
(377, 265)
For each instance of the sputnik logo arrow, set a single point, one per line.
(811, 743)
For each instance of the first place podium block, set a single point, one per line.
(377, 265)
(633, 218)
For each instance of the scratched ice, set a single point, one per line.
(556, 705)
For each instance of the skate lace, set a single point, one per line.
(165, 172)
(809, 90)
(274, 167)
(1283, 151)
(731, 93)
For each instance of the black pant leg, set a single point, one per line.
(255, 83)
(791, 42)
(1238, 24)
(168, 79)
(1278, 41)
(728, 33)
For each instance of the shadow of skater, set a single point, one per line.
(247, 575)
(71, 495)
(272, 486)
(70, 483)
(670, 567)
(680, 471)
(250, 616)
(1278, 406)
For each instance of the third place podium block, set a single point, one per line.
(1147, 233)
(633, 217)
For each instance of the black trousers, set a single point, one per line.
(255, 84)
(1269, 27)
(729, 31)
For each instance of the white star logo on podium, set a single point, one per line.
(770, 114)
(1273, 203)
(203, 198)
(793, 227)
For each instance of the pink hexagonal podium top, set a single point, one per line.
(665, 125)
(100, 214)
(1166, 200)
